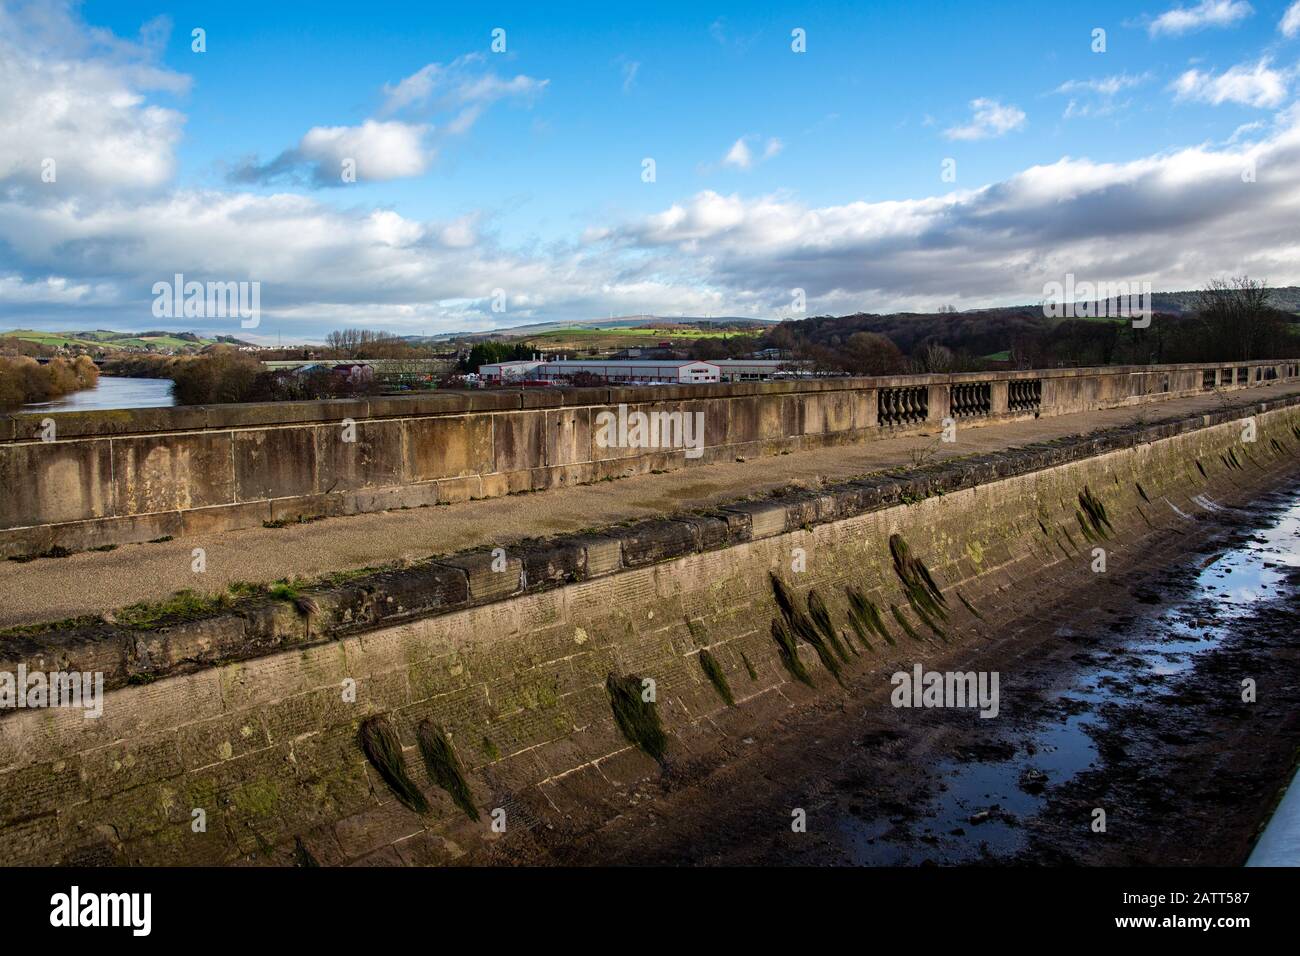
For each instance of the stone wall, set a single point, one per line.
(115, 477)
(248, 718)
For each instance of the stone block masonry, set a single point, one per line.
(116, 477)
(253, 714)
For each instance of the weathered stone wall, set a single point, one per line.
(267, 746)
(113, 477)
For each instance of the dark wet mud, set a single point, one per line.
(1127, 704)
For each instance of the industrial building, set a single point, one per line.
(636, 371)
(756, 370)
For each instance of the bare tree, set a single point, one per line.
(1236, 319)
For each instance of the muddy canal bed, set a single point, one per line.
(1127, 700)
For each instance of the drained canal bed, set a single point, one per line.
(986, 801)
(1151, 719)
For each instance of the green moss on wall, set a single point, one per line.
(713, 671)
(637, 718)
(443, 767)
(384, 751)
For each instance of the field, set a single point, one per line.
(106, 340)
(589, 338)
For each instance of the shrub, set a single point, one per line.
(24, 380)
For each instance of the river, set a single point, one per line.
(112, 392)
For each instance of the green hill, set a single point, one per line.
(107, 339)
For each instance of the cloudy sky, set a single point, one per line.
(408, 170)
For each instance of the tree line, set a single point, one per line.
(1230, 320)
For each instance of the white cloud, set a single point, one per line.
(1104, 85)
(457, 93)
(52, 290)
(459, 85)
(82, 102)
(740, 156)
(989, 119)
(380, 150)
(1207, 13)
(460, 233)
(1096, 97)
(1244, 131)
(630, 69)
(1256, 85)
(1176, 219)
(1290, 22)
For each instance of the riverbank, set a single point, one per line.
(24, 380)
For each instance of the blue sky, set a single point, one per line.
(521, 172)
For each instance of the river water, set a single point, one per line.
(112, 392)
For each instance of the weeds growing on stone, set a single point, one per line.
(443, 767)
(902, 622)
(789, 652)
(922, 592)
(802, 626)
(1096, 518)
(57, 551)
(283, 591)
(713, 671)
(184, 605)
(303, 856)
(384, 751)
(970, 607)
(637, 718)
(821, 618)
(857, 624)
(862, 609)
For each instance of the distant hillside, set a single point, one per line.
(1286, 298)
(107, 339)
(622, 322)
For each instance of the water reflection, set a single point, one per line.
(112, 392)
(980, 808)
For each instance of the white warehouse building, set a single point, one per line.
(635, 371)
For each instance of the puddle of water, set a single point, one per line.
(981, 806)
